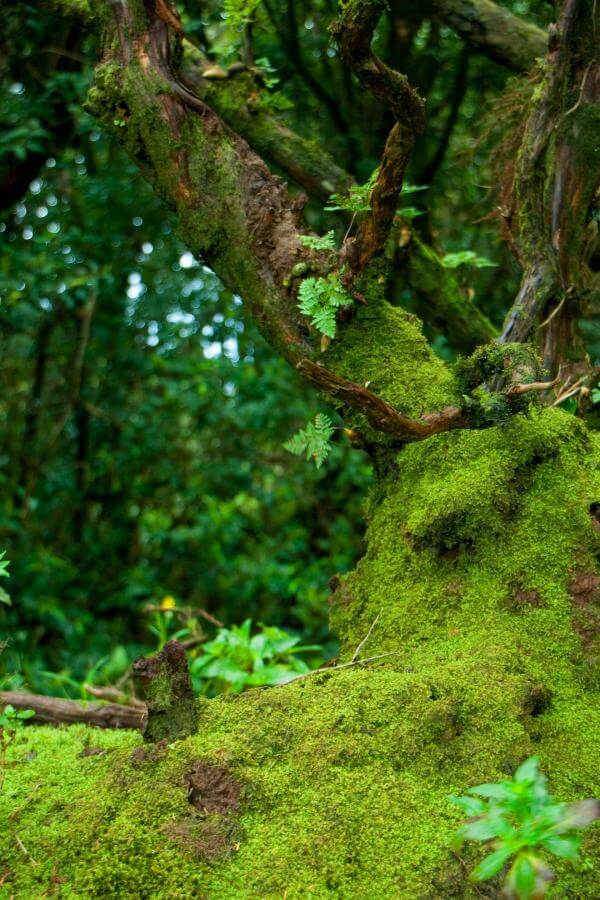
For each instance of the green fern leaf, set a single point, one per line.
(326, 242)
(320, 298)
(314, 440)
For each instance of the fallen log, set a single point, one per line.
(57, 711)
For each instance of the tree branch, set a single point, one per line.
(494, 31)
(354, 32)
(381, 415)
(556, 182)
(55, 710)
(233, 212)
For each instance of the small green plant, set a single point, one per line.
(12, 718)
(239, 12)
(466, 258)
(268, 72)
(358, 197)
(237, 659)
(520, 819)
(314, 242)
(314, 440)
(320, 299)
(4, 596)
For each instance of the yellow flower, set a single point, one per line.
(168, 602)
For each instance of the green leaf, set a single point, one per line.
(528, 770)
(471, 806)
(491, 865)
(524, 877)
(466, 258)
(563, 847)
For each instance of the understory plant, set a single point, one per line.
(520, 821)
(237, 659)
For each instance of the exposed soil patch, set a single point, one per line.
(212, 789)
(143, 755)
(595, 514)
(207, 837)
(212, 830)
(584, 593)
(523, 598)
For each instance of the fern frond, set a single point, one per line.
(326, 242)
(358, 198)
(314, 440)
(320, 298)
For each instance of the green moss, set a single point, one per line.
(384, 346)
(346, 774)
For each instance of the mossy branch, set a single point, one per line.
(354, 32)
(494, 31)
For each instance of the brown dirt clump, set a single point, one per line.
(212, 830)
(212, 789)
(584, 593)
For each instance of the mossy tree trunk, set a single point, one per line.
(481, 570)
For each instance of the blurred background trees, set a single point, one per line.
(141, 416)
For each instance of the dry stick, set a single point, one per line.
(367, 636)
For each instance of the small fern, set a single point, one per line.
(320, 299)
(239, 12)
(358, 198)
(314, 440)
(326, 242)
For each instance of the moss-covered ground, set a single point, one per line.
(474, 542)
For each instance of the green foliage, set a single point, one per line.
(357, 199)
(237, 659)
(239, 12)
(4, 596)
(466, 258)
(521, 819)
(320, 298)
(314, 440)
(267, 72)
(13, 718)
(314, 242)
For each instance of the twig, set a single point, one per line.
(554, 312)
(579, 99)
(517, 389)
(367, 636)
(24, 849)
(355, 662)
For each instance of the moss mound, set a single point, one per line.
(482, 568)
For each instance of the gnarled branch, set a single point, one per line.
(494, 31)
(381, 414)
(354, 32)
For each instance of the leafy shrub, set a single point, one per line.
(236, 659)
(521, 819)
